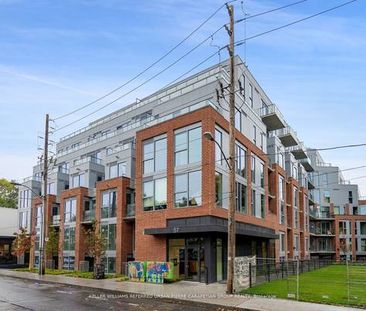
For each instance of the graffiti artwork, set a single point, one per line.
(156, 272)
(136, 271)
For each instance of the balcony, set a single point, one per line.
(130, 211)
(311, 185)
(56, 220)
(322, 250)
(320, 232)
(307, 165)
(88, 160)
(89, 216)
(298, 151)
(288, 137)
(272, 117)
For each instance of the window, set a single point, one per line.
(295, 172)
(218, 187)
(240, 160)
(51, 188)
(306, 245)
(251, 95)
(108, 232)
(363, 228)
(155, 194)
(253, 170)
(109, 204)
(38, 215)
(109, 263)
(69, 239)
(296, 243)
(78, 181)
(254, 211)
(68, 263)
(241, 198)
(263, 206)
(281, 192)
(350, 197)
(280, 158)
(188, 189)
(154, 155)
(262, 174)
(326, 196)
(361, 245)
(218, 154)
(342, 227)
(188, 146)
(262, 141)
(254, 135)
(238, 121)
(70, 210)
(282, 242)
(117, 169)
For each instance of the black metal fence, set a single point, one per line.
(267, 270)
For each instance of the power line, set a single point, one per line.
(269, 11)
(162, 71)
(149, 67)
(294, 22)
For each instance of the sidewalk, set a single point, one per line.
(183, 290)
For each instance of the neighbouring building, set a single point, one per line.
(161, 191)
(8, 226)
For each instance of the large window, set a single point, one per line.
(69, 239)
(188, 189)
(51, 189)
(326, 196)
(363, 228)
(117, 169)
(254, 135)
(254, 203)
(154, 155)
(240, 160)
(187, 146)
(218, 187)
(281, 192)
(109, 204)
(263, 206)
(218, 154)
(238, 120)
(155, 194)
(262, 174)
(70, 210)
(251, 95)
(253, 170)
(78, 180)
(38, 215)
(241, 198)
(282, 242)
(108, 232)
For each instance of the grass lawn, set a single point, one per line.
(325, 285)
(72, 273)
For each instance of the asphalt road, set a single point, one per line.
(20, 294)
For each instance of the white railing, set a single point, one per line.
(140, 124)
(270, 109)
(32, 178)
(167, 94)
(88, 160)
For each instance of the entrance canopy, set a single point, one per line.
(206, 224)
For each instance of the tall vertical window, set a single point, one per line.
(188, 189)
(254, 135)
(295, 172)
(70, 210)
(69, 239)
(263, 206)
(262, 141)
(218, 188)
(154, 155)
(281, 193)
(253, 170)
(187, 146)
(262, 174)
(296, 244)
(296, 209)
(51, 189)
(282, 242)
(254, 203)
(238, 121)
(251, 95)
(108, 232)
(240, 160)
(218, 154)
(155, 194)
(109, 204)
(326, 196)
(38, 215)
(241, 198)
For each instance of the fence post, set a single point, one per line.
(250, 274)
(269, 271)
(282, 268)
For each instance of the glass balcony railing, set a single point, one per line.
(88, 160)
(56, 219)
(130, 212)
(89, 215)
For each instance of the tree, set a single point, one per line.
(95, 243)
(22, 243)
(8, 194)
(52, 243)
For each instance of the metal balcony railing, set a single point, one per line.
(88, 160)
(56, 219)
(89, 215)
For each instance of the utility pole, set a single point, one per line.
(42, 265)
(231, 211)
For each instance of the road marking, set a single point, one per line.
(133, 304)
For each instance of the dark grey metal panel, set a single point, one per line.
(210, 224)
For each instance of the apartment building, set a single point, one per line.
(161, 191)
(337, 220)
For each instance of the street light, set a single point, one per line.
(231, 214)
(41, 269)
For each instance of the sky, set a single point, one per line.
(56, 56)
